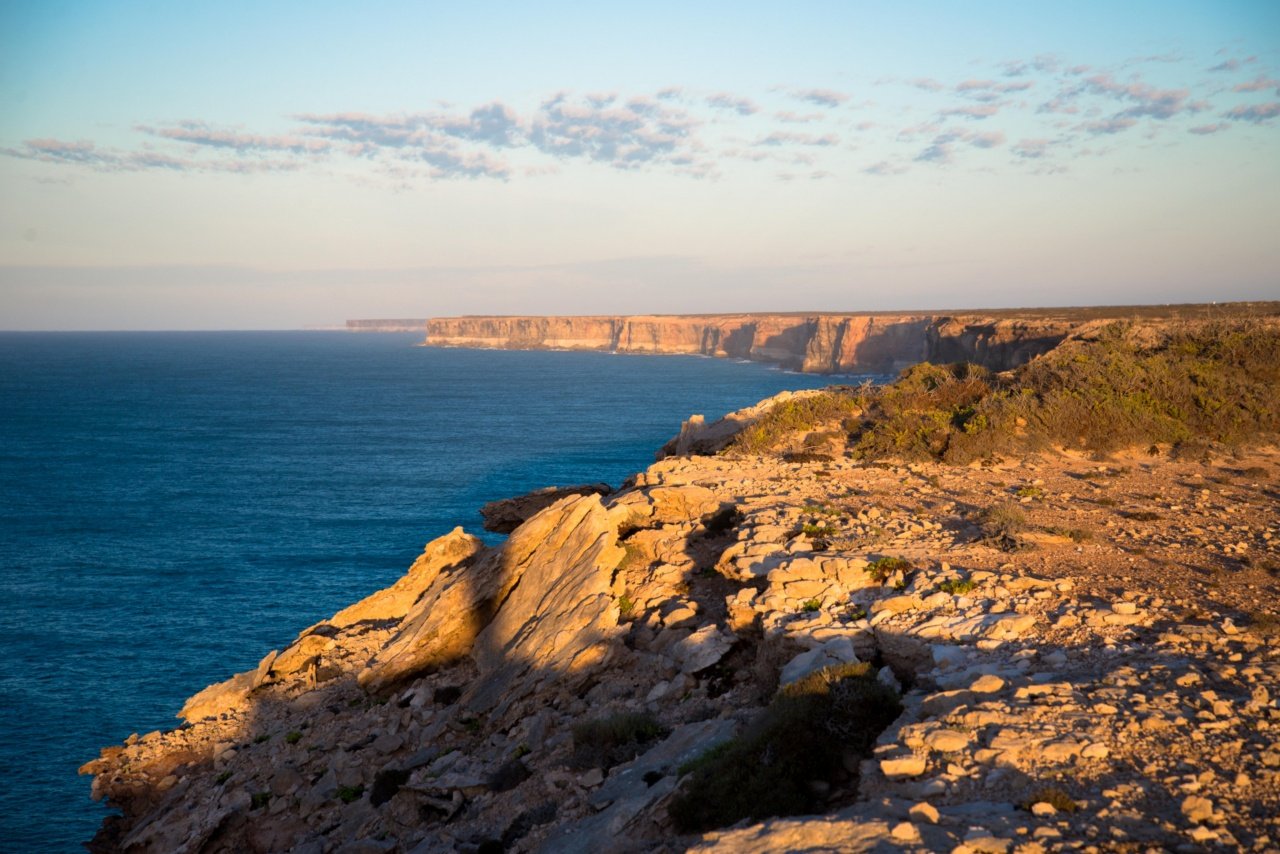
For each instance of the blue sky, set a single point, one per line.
(239, 165)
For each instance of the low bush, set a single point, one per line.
(604, 742)
(881, 569)
(798, 740)
(956, 586)
(1002, 523)
(834, 406)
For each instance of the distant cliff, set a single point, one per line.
(819, 343)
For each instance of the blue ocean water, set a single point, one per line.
(177, 504)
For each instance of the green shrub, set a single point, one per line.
(810, 606)
(956, 586)
(1001, 523)
(350, 794)
(604, 742)
(799, 739)
(293, 737)
(815, 531)
(784, 420)
(626, 607)
(1052, 795)
(881, 569)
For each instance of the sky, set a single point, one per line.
(284, 165)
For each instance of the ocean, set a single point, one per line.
(177, 504)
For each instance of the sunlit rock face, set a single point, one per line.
(823, 343)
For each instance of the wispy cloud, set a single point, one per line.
(1205, 130)
(1109, 126)
(725, 101)
(1030, 149)
(789, 138)
(1258, 84)
(821, 97)
(1256, 113)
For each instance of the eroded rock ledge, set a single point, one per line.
(1110, 682)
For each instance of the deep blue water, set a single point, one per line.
(177, 504)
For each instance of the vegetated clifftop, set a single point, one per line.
(819, 343)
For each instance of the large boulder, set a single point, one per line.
(443, 624)
(560, 623)
(507, 514)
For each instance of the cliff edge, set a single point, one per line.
(820, 343)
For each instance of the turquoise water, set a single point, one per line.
(177, 504)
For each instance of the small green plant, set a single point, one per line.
(604, 742)
(626, 607)
(262, 737)
(799, 739)
(823, 509)
(223, 777)
(350, 794)
(881, 569)
(957, 586)
(471, 725)
(1029, 492)
(810, 606)
(856, 612)
(1052, 795)
(815, 531)
(293, 737)
(258, 800)
(1001, 524)
(521, 751)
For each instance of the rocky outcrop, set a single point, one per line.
(820, 343)
(1118, 683)
(506, 514)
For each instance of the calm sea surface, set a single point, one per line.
(177, 504)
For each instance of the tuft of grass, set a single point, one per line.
(1052, 795)
(1029, 492)
(222, 778)
(1001, 524)
(815, 531)
(798, 740)
(263, 737)
(1076, 535)
(957, 586)
(293, 737)
(1264, 623)
(258, 800)
(604, 742)
(810, 606)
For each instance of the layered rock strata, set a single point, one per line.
(820, 343)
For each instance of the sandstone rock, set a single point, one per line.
(507, 514)
(449, 552)
(560, 623)
(1197, 809)
(701, 649)
(443, 624)
(904, 768)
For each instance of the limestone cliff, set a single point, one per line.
(820, 343)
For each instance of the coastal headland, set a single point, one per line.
(969, 611)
